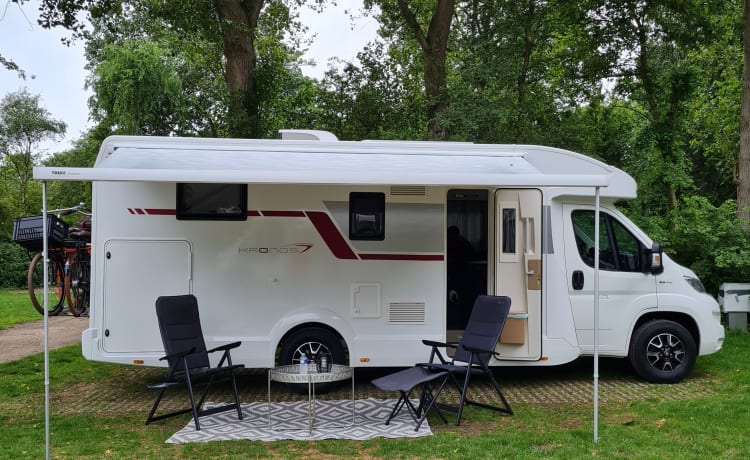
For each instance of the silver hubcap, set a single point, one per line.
(311, 349)
(665, 352)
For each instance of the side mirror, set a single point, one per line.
(656, 265)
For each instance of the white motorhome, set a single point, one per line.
(364, 248)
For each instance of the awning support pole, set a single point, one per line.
(45, 254)
(596, 316)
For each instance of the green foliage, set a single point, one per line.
(379, 100)
(14, 266)
(137, 89)
(709, 239)
(650, 87)
(24, 124)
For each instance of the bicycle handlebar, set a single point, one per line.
(66, 211)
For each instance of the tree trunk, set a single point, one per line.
(522, 85)
(238, 20)
(743, 161)
(434, 46)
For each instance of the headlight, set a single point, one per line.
(695, 283)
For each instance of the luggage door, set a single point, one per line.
(518, 270)
(136, 272)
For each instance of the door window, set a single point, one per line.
(619, 250)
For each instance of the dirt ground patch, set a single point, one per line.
(26, 339)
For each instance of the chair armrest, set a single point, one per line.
(225, 347)
(434, 352)
(178, 355)
(432, 343)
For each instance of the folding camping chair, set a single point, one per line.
(187, 356)
(473, 353)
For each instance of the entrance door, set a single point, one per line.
(518, 270)
(467, 249)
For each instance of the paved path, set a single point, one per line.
(26, 339)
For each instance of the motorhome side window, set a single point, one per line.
(509, 231)
(212, 201)
(619, 250)
(366, 216)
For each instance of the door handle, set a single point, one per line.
(577, 280)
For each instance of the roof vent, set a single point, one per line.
(306, 135)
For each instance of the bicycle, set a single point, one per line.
(68, 261)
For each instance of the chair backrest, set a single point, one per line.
(180, 327)
(484, 327)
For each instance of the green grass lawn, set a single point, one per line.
(15, 307)
(98, 411)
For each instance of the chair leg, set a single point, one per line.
(507, 409)
(464, 396)
(236, 395)
(431, 395)
(192, 400)
(150, 417)
(397, 408)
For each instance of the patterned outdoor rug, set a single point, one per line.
(333, 420)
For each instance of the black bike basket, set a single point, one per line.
(27, 231)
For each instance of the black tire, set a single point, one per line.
(311, 341)
(663, 351)
(55, 286)
(77, 285)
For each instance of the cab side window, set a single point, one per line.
(619, 250)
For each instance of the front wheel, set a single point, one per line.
(663, 351)
(312, 341)
(55, 284)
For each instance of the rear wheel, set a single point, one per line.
(55, 285)
(663, 351)
(312, 341)
(77, 286)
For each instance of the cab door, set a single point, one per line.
(625, 291)
(518, 270)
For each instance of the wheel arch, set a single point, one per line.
(312, 324)
(682, 319)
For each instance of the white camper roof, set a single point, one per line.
(305, 160)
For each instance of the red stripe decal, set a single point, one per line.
(283, 213)
(416, 257)
(130, 210)
(140, 211)
(160, 212)
(331, 235)
(253, 213)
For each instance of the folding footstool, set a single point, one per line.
(405, 381)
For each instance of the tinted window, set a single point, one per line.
(619, 250)
(509, 231)
(212, 201)
(366, 216)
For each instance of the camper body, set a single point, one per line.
(313, 243)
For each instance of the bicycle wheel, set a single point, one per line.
(77, 284)
(55, 284)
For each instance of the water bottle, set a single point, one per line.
(324, 366)
(303, 364)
